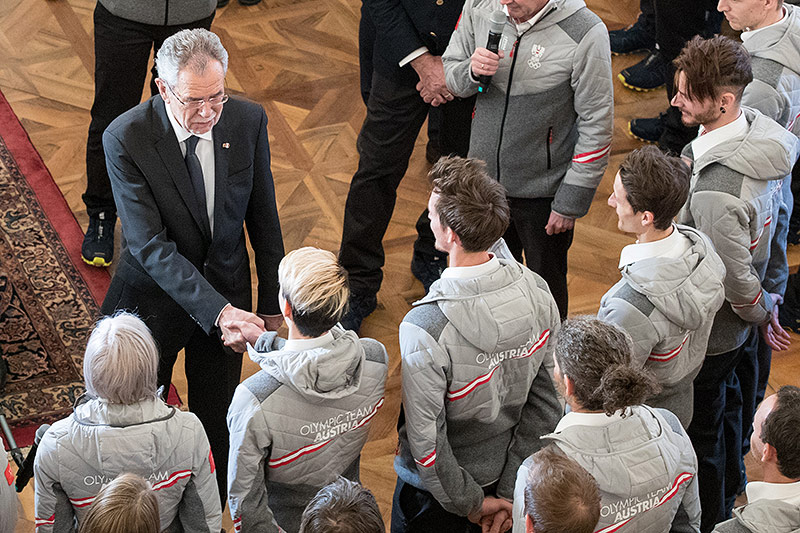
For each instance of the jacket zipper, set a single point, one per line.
(549, 142)
(505, 107)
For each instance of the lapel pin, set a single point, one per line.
(226, 145)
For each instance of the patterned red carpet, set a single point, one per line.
(48, 297)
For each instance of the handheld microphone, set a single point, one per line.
(13, 449)
(25, 472)
(498, 22)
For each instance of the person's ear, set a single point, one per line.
(769, 454)
(163, 90)
(529, 525)
(569, 385)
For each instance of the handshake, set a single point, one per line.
(494, 515)
(240, 327)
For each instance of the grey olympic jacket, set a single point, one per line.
(544, 125)
(645, 467)
(734, 199)
(161, 12)
(477, 386)
(668, 306)
(298, 424)
(763, 516)
(99, 440)
(775, 91)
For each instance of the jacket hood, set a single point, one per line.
(558, 10)
(687, 289)
(760, 154)
(474, 305)
(769, 516)
(782, 47)
(619, 450)
(119, 435)
(323, 373)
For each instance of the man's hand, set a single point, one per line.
(558, 223)
(272, 322)
(485, 63)
(773, 334)
(500, 522)
(431, 86)
(494, 515)
(239, 327)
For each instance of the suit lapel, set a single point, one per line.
(170, 152)
(221, 151)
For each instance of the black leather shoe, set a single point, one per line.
(427, 269)
(359, 307)
(98, 243)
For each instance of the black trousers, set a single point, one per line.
(417, 511)
(395, 114)
(544, 254)
(121, 50)
(716, 430)
(212, 370)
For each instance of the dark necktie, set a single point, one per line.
(196, 172)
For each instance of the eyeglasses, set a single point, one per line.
(197, 104)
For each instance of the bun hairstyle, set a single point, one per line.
(598, 358)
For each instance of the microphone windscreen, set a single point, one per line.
(497, 21)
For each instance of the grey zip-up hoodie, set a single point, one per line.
(734, 199)
(645, 467)
(99, 440)
(477, 387)
(775, 91)
(298, 424)
(668, 306)
(763, 516)
(544, 126)
(161, 12)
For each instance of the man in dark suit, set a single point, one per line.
(404, 40)
(185, 177)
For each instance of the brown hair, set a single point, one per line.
(344, 506)
(470, 202)
(655, 182)
(560, 495)
(126, 505)
(712, 66)
(781, 430)
(598, 356)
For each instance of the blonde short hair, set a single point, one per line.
(315, 285)
(121, 360)
(126, 505)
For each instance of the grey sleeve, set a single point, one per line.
(199, 509)
(687, 519)
(424, 391)
(594, 104)
(623, 314)
(777, 273)
(53, 512)
(456, 59)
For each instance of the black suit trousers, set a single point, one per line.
(212, 370)
(122, 49)
(395, 114)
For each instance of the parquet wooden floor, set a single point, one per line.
(299, 59)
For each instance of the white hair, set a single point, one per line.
(189, 48)
(121, 360)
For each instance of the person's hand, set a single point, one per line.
(489, 509)
(772, 332)
(558, 223)
(431, 86)
(239, 327)
(485, 63)
(272, 322)
(499, 522)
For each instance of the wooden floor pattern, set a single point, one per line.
(299, 59)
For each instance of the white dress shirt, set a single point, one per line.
(205, 153)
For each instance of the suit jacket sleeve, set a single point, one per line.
(393, 25)
(149, 242)
(264, 227)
